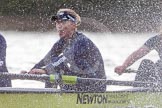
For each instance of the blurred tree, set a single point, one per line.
(117, 15)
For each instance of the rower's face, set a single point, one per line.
(65, 28)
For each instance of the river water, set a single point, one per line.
(24, 49)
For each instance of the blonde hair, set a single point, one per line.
(72, 12)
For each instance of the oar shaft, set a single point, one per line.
(113, 82)
(26, 76)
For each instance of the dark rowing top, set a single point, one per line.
(83, 59)
(155, 43)
(4, 81)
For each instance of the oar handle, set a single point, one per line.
(130, 71)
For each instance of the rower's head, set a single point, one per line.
(66, 21)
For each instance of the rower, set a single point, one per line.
(4, 81)
(148, 71)
(72, 54)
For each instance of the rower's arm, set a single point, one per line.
(136, 55)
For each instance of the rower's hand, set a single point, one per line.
(37, 71)
(119, 70)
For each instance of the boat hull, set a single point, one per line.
(50, 98)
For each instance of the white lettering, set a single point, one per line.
(61, 60)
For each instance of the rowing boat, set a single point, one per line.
(53, 98)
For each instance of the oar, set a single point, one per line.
(25, 76)
(115, 82)
(130, 71)
(74, 79)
